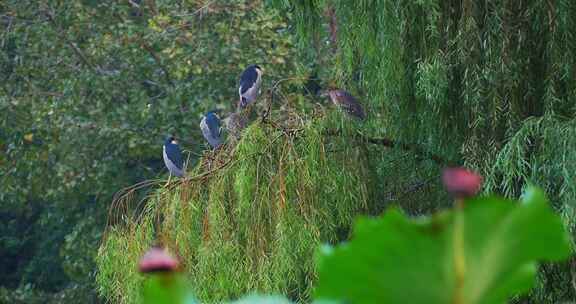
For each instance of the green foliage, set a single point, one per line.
(248, 219)
(28, 294)
(483, 251)
(166, 288)
(488, 84)
(88, 91)
(502, 240)
(118, 265)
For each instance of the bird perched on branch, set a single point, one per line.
(210, 126)
(347, 103)
(173, 157)
(250, 81)
(235, 123)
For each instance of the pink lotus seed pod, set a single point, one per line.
(461, 182)
(157, 260)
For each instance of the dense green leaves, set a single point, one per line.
(483, 251)
(88, 91)
(489, 84)
(252, 224)
(502, 240)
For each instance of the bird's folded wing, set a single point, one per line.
(247, 80)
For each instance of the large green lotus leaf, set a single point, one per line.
(396, 259)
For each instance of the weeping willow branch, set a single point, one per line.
(390, 143)
(333, 25)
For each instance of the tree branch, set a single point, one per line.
(333, 25)
(152, 6)
(390, 143)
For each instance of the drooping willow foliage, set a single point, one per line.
(490, 84)
(487, 84)
(250, 217)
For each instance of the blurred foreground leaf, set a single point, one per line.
(166, 288)
(396, 259)
(259, 299)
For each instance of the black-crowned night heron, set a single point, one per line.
(347, 103)
(210, 126)
(173, 158)
(250, 81)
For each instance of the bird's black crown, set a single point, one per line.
(170, 140)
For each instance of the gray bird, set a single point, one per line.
(347, 103)
(210, 126)
(250, 81)
(173, 157)
(235, 123)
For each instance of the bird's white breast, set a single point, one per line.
(170, 165)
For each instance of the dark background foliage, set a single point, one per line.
(89, 89)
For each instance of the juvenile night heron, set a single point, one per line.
(250, 81)
(347, 103)
(235, 123)
(210, 126)
(173, 158)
